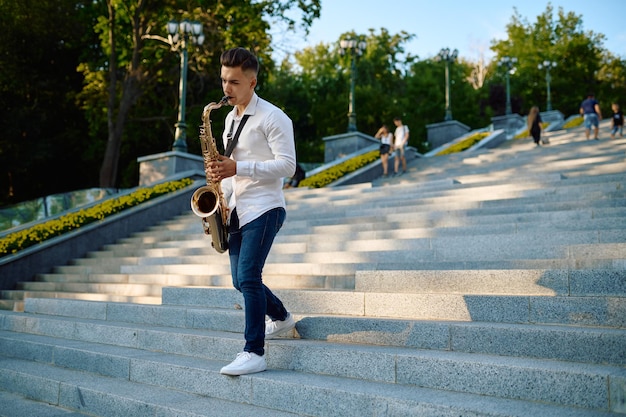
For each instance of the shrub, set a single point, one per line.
(574, 122)
(40, 232)
(465, 143)
(335, 172)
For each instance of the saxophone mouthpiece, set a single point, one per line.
(214, 105)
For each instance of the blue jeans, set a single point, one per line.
(617, 128)
(248, 250)
(591, 119)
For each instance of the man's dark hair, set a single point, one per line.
(240, 57)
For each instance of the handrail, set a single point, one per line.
(49, 206)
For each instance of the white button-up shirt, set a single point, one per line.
(265, 154)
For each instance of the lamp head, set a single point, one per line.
(172, 27)
(196, 28)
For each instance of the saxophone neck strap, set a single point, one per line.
(232, 140)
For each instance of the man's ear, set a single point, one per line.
(253, 82)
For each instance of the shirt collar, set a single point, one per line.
(250, 108)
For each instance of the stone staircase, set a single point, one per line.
(488, 284)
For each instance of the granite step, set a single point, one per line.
(483, 284)
(522, 246)
(275, 281)
(573, 384)
(105, 396)
(453, 183)
(503, 295)
(502, 195)
(481, 207)
(20, 296)
(274, 393)
(581, 344)
(218, 264)
(295, 234)
(609, 311)
(14, 405)
(413, 218)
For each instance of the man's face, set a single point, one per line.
(238, 85)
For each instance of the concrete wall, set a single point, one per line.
(157, 168)
(495, 139)
(41, 258)
(510, 123)
(338, 146)
(441, 133)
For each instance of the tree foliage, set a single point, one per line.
(314, 85)
(131, 64)
(87, 89)
(559, 38)
(42, 129)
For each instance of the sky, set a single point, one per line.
(468, 26)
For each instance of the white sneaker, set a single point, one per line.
(278, 327)
(245, 363)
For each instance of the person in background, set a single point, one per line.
(534, 124)
(253, 178)
(617, 121)
(590, 110)
(401, 140)
(297, 177)
(386, 138)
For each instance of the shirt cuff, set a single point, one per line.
(244, 168)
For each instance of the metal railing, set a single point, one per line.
(50, 206)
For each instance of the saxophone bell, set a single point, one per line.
(204, 201)
(206, 204)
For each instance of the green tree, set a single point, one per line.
(611, 83)
(130, 64)
(59, 123)
(424, 100)
(313, 89)
(40, 44)
(421, 98)
(314, 86)
(381, 79)
(560, 39)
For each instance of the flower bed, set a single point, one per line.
(465, 143)
(40, 232)
(332, 174)
(573, 122)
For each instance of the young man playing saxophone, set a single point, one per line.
(252, 180)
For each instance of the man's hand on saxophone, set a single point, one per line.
(222, 168)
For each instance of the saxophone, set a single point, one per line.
(208, 202)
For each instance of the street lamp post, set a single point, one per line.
(509, 64)
(180, 34)
(548, 65)
(448, 57)
(355, 48)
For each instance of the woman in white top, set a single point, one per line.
(386, 138)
